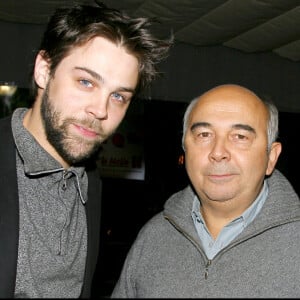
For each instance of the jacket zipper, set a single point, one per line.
(206, 268)
(64, 186)
(209, 261)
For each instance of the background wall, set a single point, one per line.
(189, 71)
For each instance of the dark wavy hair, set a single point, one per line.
(73, 27)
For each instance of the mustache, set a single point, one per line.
(94, 124)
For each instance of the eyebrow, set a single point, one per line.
(244, 127)
(92, 73)
(98, 77)
(200, 124)
(234, 126)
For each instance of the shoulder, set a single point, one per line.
(153, 228)
(280, 187)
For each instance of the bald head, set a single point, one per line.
(229, 90)
(230, 98)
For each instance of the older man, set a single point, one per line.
(235, 230)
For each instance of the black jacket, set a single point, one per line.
(9, 216)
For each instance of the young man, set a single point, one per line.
(91, 62)
(234, 232)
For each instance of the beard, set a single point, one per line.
(75, 150)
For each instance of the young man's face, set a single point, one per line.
(87, 97)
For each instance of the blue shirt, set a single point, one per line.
(231, 230)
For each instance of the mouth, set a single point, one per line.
(218, 178)
(85, 131)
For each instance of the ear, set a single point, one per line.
(273, 157)
(41, 70)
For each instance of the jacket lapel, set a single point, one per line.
(93, 212)
(9, 211)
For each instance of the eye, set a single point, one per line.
(85, 83)
(119, 98)
(204, 134)
(240, 137)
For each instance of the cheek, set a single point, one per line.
(63, 91)
(252, 163)
(115, 116)
(67, 102)
(195, 161)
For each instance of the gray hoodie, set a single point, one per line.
(166, 259)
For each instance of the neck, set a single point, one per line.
(218, 214)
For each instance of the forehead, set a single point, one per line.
(106, 58)
(99, 47)
(230, 104)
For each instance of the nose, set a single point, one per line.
(219, 151)
(98, 106)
